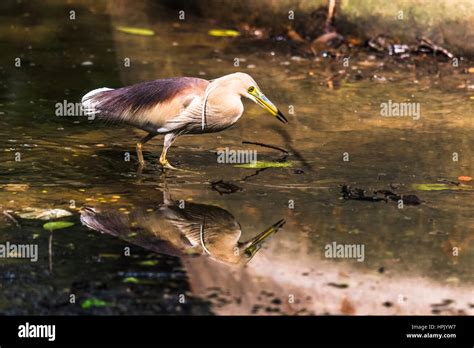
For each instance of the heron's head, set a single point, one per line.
(252, 246)
(244, 85)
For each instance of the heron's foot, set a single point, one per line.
(166, 165)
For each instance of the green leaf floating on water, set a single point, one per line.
(93, 302)
(136, 31)
(441, 187)
(57, 225)
(223, 33)
(113, 256)
(131, 280)
(149, 263)
(263, 164)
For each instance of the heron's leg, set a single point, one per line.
(167, 200)
(145, 139)
(169, 139)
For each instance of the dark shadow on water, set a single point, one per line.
(288, 145)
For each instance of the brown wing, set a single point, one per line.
(147, 105)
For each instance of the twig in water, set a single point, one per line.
(424, 42)
(254, 174)
(50, 252)
(11, 218)
(268, 146)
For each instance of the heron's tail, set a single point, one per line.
(109, 222)
(90, 101)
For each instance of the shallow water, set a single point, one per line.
(408, 264)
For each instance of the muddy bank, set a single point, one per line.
(448, 23)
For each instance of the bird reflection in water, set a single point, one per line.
(172, 230)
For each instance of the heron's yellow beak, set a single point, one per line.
(255, 244)
(264, 102)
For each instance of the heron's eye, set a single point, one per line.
(251, 89)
